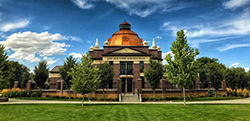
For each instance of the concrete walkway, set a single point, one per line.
(19, 101)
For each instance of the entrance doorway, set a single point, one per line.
(127, 85)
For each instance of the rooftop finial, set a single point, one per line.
(96, 44)
(154, 45)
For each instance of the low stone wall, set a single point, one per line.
(146, 93)
(4, 99)
(109, 93)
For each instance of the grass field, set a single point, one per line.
(147, 112)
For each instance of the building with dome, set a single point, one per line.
(129, 55)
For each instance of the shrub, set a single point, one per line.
(239, 93)
(229, 91)
(23, 94)
(245, 93)
(210, 93)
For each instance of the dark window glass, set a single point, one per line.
(142, 82)
(141, 66)
(111, 63)
(122, 67)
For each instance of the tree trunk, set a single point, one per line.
(82, 99)
(69, 93)
(216, 95)
(184, 96)
(154, 94)
(103, 94)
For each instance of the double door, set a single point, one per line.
(127, 85)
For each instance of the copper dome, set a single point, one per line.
(125, 37)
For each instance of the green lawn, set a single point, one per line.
(148, 112)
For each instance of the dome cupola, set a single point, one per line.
(125, 37)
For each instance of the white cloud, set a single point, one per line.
(72, 38)
(232, 46)
(30, 45)
(232, 4)
(50, 61)
(235, 64)
(10, 26)
(164, 56)
(247, 69)
(76, 55)
(158, 37)
(213, 32)
(84, 4)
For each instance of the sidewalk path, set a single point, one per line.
(19, 101)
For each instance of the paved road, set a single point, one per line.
(18, 101)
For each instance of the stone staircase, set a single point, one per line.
(130, 98)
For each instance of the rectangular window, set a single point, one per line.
(111, 63)
(122, 67)
(141, 66)
(142, 82)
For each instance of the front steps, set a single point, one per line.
(129, 98)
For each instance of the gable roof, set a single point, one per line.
(126, 51)
(55, 69)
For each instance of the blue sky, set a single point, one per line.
(51, 30)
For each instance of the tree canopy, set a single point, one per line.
(201, 62)
(68, 64)
(85, 76)
(214, 72)
(154, 74)
(41, 74)
(106, 72)
(182, 69)
(236, 78)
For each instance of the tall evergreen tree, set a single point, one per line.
(154, 74)
(106, 72)
(5, 70)
(41, 74)
(68, 64)
(85, 76)
(214, 72)
(181, 70)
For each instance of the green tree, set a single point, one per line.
(41, 74)
(85, 76)
(214, 72)
(5, 70)
(181, 70)
(201, 62)
(68, 64)
(154, 74)
(106, 72)
(236, 78)
(25, 78)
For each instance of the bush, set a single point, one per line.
(210, 93)
(229, 92)
(245, 93)
(239, 93)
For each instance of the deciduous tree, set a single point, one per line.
(154, 74)
(214, 72)
(106, 72)
(181, 70)
(85, 76)
(68, 64)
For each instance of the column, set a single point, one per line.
(139, 86)
(28, 85)
(119, 86)
(136, 75)
(224, 86)
(16, 84)
(61, 90)
(163, 86)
